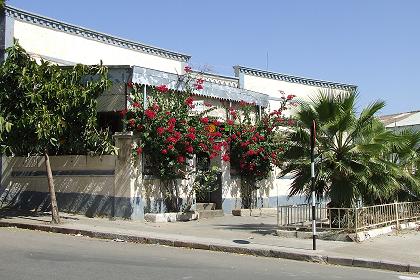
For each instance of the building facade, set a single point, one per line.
(67, 44)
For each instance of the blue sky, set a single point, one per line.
(374, 44)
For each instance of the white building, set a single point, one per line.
(68, 44)
(402, 121)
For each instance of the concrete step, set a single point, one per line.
(205, 214)
(205, 206)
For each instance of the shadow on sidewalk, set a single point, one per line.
(261, 228)
(10, 213)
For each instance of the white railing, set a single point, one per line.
(350, 219)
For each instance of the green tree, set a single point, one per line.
(406, 154)
(52, 109)
(353, 152)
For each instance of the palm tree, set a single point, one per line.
(406, 154)
(352, 152)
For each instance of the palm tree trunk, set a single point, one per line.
(54, 208)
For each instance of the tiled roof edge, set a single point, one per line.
(292, 79)
(91, 34)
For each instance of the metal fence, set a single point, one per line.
(350, 219)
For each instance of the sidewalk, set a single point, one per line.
(245, 235)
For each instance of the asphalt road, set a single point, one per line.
(38, 255)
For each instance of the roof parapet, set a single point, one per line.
(22, 15)
(292, 79)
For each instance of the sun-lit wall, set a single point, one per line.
(67, 44)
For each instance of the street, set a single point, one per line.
(38, 255)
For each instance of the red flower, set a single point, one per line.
(233, 136)
(180, 159)
(160, 130)
(162, 88)
(198, 86)
(132, 122)
(139, 150)
(172, 121)
(189, 149)
(164, 151)
(190, 136)
(136, 105)
(200, 81)
(150, 114)
(177, 135)
(217, 147)
(130, 84)
(155, 107)
(189, 102)
(171, 128)
(139, 127)
(203, 146)
(230, 122)
(205, 120)
(216, 123)
(191, 130)
(213, 155)
(291, 96)
(226, 157)
(187, 69)
(123, 112)
(244, 144)
(243, 103)
(171, 139)
(171, 147)
(208, 104)
(251, 153)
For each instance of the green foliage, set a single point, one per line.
(205, 182)
(353, 152)
(52, 108)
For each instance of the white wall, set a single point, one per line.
(273, 87)
(76, 49)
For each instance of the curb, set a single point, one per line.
(261, 252)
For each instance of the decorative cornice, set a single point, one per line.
(91, 34)
(293, 79)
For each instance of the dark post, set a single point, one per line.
(313, 138)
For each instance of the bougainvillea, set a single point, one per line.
(169, 130)
(254, 149)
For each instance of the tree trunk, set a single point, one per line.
(171, 196)
(247, 189)
(54, 208)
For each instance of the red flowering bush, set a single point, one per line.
(170, 131)
(254, 149)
